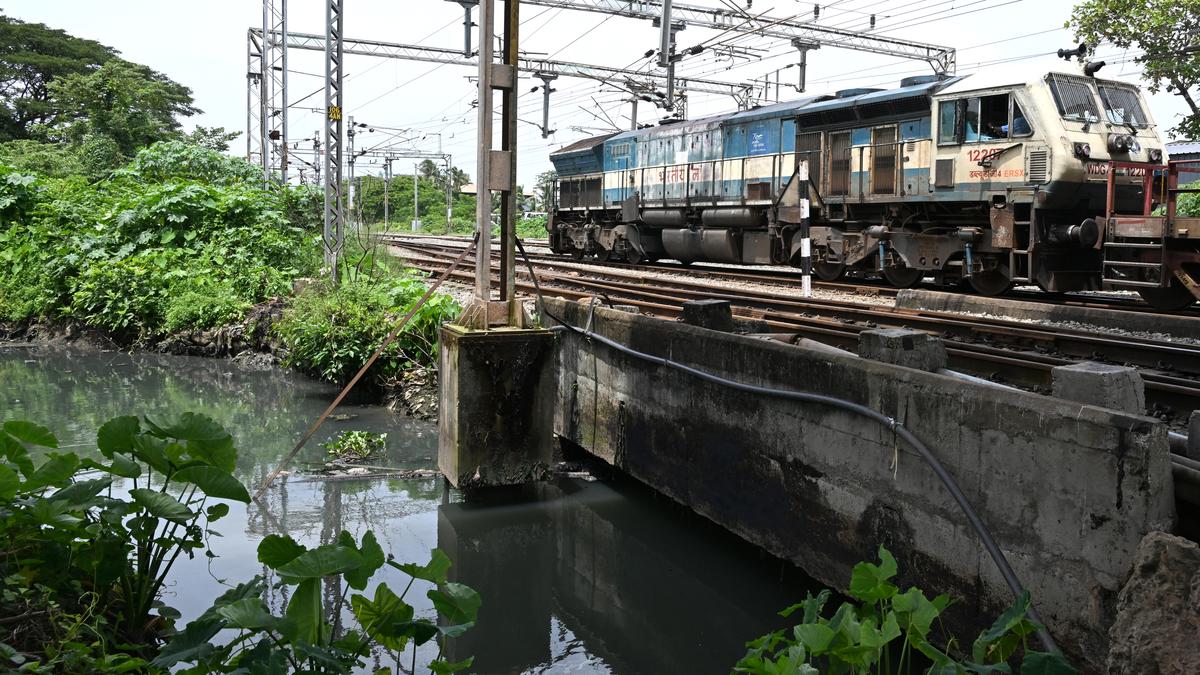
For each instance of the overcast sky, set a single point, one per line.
(203, 46)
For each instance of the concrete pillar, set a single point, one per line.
(711, 314)
(1193, 444)
(496, 390)
(903, 347)
(1100, 384)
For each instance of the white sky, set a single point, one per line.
(203, 46)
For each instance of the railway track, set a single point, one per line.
(790, 276)
(1014, 353)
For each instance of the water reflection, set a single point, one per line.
(575, 577)
(74, 391)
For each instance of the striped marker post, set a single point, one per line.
(805, 250)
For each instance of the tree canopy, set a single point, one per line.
(128, 103)
(32, 55)
(73, 101)
(1166, 32)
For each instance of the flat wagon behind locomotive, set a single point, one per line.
(991, 182)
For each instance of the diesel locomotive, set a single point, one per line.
(1060, 181)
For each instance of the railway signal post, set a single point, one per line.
(496, 377)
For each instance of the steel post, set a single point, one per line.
(334, 231)
(483, 192)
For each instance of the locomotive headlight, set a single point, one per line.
(1083, 150)
(1121, 143)
(1134, 146)
(1155, 154)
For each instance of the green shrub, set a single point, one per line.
(331, 332)
(203, 303)
(355, 445)
(137, 251)
(861, 638)
(1189, 202)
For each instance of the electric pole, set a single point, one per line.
(334, 234)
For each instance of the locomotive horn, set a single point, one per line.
(1093, 67)
(1078, 52)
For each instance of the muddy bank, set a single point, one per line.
(251, 342)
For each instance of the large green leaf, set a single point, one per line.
(56, 470)
(214, 482)
(10, 482)
(434, 571)
(999, 641)
(247, 614)
(275, 550)
(11, 447)
(382, 617)
(189, 427)
(456, 602)
(54, 513)
(33, 434)
(1042, 663)
(304, 613)
(162, 505)
(219, 453)
(914, 612)
(814, 636)
(116, 435)
(152, 451)
(320, 562)
(81, 491)
(870, 582)
(190, 644)
(421, 630)
(372, 559)
(441, 667)
(122, 466)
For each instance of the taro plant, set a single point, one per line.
(95, 538)
(306, 638)
(355, 445)
(881, 631)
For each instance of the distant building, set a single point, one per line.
(1186, 150)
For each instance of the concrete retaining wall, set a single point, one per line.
(1068, 490)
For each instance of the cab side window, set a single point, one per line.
(1020, 125)
(981, 119)
(948, 127)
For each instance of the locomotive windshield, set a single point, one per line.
(1121, 105)
(1075, 98)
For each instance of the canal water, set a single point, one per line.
(576, 576)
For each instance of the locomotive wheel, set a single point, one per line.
(829, 271)
(577, 254)
(991, 282)
(1170, 299)
(632, 256)
(902, 276)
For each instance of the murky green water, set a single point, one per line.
(576, 577)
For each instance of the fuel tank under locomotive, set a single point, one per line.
(726, 235)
